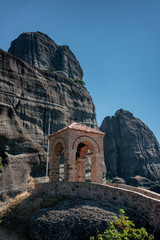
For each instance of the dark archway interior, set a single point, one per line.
(79, 148)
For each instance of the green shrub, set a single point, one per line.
(109, 180)
(79, 81)
(1, 166)
(122, 228)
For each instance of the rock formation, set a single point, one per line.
(19, 153)
(76, 219)
(71, 219)
(118, 180)
(130, 148)
(34, 94)
(38, 49)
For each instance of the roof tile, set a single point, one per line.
(79, 127)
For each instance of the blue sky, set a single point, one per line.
(117, 43)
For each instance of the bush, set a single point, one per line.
(1, 166)
(123, 228)
(78, 80)
(110, 180)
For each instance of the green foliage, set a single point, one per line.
(109, 180)
(1, 166)
(78, 80)
(121, 228)
(155, 188)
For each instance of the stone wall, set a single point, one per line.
(147, 207)
(135, 189)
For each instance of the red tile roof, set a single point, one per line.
(79, 127)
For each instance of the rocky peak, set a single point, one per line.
(37, 49)
(130, 147)
(29, 95)
(121, 113)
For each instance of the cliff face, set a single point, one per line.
(31, 94)
(35, 94)
(38, 49)
(19, 153)
(130, 147)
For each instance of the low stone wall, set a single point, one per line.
(136, 189)
(145, 206)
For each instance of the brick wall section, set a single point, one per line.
(80, 170)
(146, 206)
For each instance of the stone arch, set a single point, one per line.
(58, 149)
(86, 139)
(85, 161)
(58, 140)
(57, 159)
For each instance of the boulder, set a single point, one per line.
(130, 147)
(76, 219)
(118, 180)
(139, 181)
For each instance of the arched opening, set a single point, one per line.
(58, 162)
(76, 154)
(84, 161)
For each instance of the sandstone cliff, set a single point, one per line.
(130, 148)
(38, 49)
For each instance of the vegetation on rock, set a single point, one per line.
(22, 209)
(109, 180)
(1, 166)
(78, 80)
(122, 228)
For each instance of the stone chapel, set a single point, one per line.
(74, 143)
